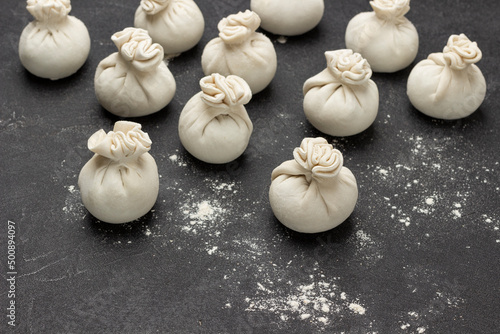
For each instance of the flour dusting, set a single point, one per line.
(203, 216)
(73, 206)
(357, 308)
(319, 301)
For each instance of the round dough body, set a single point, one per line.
(442, 92)
(387, 46)
(288, 17)
(119, 192)
(127, 92)
(311, 207)
(338, 109)
(177, 28)
(212, 136)
(54, 52)
(254, 60)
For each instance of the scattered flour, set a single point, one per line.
(175, 159)
(73, 206)
(205, 211)
(383, 172)
(72, 189)
(366, 248)
(405, 326)
(207, 215)
(319, 301)
(212, 250)
(456, 214)
(357, 308)
(203, 216)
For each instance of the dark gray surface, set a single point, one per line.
(412, 266)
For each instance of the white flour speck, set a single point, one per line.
(205, 212)
(357, 308)
(212, 250)
(319, 300)
(74, 208)
(456, 214)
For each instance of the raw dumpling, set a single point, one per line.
(289, 17)
(214, 125)
(177, 25)
(448, 84)
(385, 37)
(56, 44)
(241, 51)
(134, 81)
(314, 192)
(342, 100)
(120, 183)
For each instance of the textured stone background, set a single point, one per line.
(420, 253)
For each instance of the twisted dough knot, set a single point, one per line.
(126, 142)
(152, 7)
(49, 10)
(390, 10)
(460, 52)
(318, 157)
(219, 91)
(237, 28)
(348, 67)
(137, 47)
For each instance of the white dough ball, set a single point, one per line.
(55, 45)
(288, 17)
(384, 37)
(241, 51)
(314, 192)
(448, 84)
(342, 100)
(214, 125)
(120, 183)
(177, 25)
(134, 81)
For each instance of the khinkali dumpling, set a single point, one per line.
(385, 37)
(314, 192)
(289, 17)
(134, 81)
(342, 100)
(241, 51)
(214, 125)
(56, 44)
(177, 25)
(120, 183)
(448, 84)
